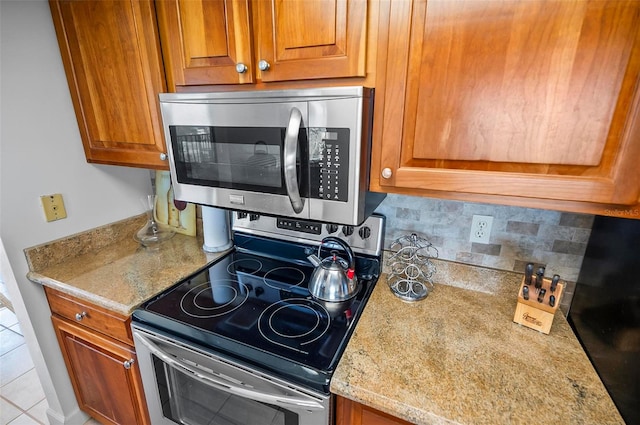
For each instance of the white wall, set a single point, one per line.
(40, 154)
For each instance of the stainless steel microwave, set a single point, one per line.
(302, 153)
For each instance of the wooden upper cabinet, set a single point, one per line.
(111, 54)
(208, 42)
(311, 39)
(530, 99)
(204, 41)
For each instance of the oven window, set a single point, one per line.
(243, 158)
(186, 400)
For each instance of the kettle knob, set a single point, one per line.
(346, 248)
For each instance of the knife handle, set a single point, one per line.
(554, 283)
(528, 273)
(552, 300)
(539, 277)
(541, 295)
(525, 292)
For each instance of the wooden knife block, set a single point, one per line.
(535, 315)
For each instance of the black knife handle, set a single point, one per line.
(528, 273)
(525, 292)
(554, 282)
(539, 277)
(541, 295)
(552, 300)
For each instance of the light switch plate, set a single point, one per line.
(53, 207)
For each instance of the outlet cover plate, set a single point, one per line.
(481, 228)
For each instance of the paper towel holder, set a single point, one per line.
(216, 228)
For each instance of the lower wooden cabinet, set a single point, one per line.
(103, 370)
(349, 412)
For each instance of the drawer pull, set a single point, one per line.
(128, 363)
(80, 316)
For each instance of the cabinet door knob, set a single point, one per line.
(163, 156)
(128, 363)
(263, 65)
(80, 316)
(241, 68)
(386, 173)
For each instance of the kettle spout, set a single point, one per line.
(314, 260)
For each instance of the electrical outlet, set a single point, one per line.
(481, 228)
(53, 206)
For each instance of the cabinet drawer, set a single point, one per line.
(90, 315)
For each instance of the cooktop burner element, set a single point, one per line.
(254, 305)
(294, 323)
(291, 275)
(214, 299)
(244, 265)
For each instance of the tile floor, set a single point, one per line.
(22, 400)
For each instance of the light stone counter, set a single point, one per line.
(453, 358)
(457, 358)
(107, 267)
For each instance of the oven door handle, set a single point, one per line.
(226, 386)
(290, 153)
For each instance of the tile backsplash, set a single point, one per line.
(554, 239)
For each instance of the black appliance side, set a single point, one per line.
(605, 311)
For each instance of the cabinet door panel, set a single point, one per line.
(204, 40)
(519, 81)
(103, 386)
(535, 99)
(111, 54)
(349, 412)
(308, 40)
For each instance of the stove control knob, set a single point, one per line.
(347, 230)
(253, 217)
(332, 228)
(242, 215)
(364, 232)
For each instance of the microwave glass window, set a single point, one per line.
(245, 158)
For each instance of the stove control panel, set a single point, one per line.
(299, 225)
(367, 238)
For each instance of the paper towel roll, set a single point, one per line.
(215, 226)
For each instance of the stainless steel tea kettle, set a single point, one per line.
(333, 279)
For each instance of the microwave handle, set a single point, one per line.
(290, 152)
(225, 386)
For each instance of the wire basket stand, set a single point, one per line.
(412, 271)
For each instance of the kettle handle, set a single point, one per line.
(346, 248)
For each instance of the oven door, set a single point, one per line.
(186, 385)
(246, 156)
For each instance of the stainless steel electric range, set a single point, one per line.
(242, 341)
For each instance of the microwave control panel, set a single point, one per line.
(329, 170)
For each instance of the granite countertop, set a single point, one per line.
(107, 267)
(457, 357)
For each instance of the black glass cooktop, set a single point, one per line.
(257, 308)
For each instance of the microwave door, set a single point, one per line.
(248, 157)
